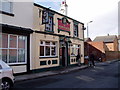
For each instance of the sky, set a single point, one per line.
(103, 13)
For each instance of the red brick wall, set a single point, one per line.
(112, 55)
(97, 48)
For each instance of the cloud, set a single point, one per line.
(103, 13)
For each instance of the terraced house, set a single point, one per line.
(16, 23)
(37, 38)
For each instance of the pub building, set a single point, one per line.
(56, 40)
(37, 38)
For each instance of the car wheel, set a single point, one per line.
(6, 85)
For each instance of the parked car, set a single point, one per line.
(6, 76)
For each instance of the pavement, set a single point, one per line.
(56, 72)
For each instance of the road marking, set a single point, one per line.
(85, 78)
(94, 70)
(101, 68)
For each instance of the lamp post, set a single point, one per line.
(88, 37)
(87, 28)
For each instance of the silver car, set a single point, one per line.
(6, 76)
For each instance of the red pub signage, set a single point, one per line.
(63, 25)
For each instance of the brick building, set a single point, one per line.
(101, 47)
(110, 41)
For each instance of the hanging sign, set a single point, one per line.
(45, 16)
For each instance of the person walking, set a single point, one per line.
(92, 58)
(78, 59)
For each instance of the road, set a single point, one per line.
(104, 75)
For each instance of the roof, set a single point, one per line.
(35, 4)
(109, 38)
(10, 28)
(87, 40)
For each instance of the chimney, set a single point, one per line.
(63, 7)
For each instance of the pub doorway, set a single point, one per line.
(63, 54)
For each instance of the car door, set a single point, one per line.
(0, 76)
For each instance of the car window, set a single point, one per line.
(0, 67)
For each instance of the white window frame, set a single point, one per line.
(75, 47)
(44, 45)
(10, 8)
(15, 49)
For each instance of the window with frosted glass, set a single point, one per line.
(6, 6)
(12, 55)
(4, 40)
(13, 48)
(13, 41)
(21, 55)
(4, 54)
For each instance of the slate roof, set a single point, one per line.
(106, 39)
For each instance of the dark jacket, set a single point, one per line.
(92, 57)
(78, 57)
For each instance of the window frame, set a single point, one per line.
(75, 47)
(75, 30)
(8, 49)
(44, 45)
(7, 12)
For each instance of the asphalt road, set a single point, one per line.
(104, 75)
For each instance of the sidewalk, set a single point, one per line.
(47, 73)
(57, 72)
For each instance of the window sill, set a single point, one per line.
(49, 31)
(73, 55)
(16, 64)
(6, 13)
(48, 57)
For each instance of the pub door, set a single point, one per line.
(64, 55)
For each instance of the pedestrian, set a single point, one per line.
(78, 59)
(92, 58)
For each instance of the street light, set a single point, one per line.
(87, 38)
(87, 28)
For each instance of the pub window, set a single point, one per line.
(13, 49)
(75, 30)
(48, 49)
(75, 49)
(6, 6)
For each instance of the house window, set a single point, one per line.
(75, 49)
(6, 6)
(13, 48)
(49, 25)
(75, 30)
(48, 49)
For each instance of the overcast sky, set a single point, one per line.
(103, 13)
